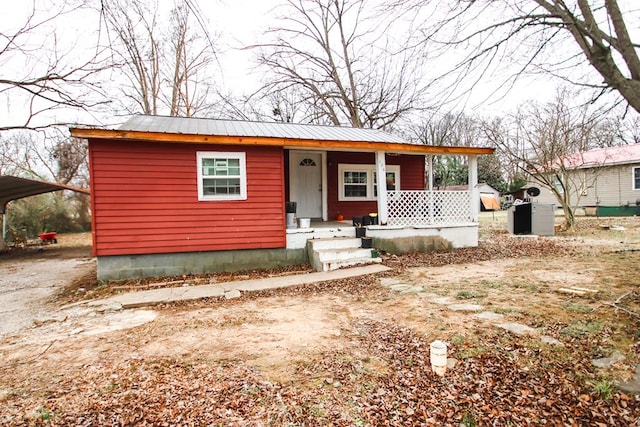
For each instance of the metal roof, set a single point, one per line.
(608, 156)
(217, 127)
(13, 188)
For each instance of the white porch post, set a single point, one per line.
(430, 187)
(381, 173)
(430, 176)
(473, 187)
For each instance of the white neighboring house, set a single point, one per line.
(605, 177)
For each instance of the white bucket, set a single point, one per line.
(304, 222)
(438, 356)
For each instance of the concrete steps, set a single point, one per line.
(333, 253)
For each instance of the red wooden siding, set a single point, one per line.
(145, 200)
(411, 178)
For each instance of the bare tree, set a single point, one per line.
(42, 74)
(459, 129)
(550, 36)
(340, 64)
(545, 142)
(167, 67)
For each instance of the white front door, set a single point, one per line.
(306, 183)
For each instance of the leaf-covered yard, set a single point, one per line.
(356, 352)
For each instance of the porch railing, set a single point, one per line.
(424, 207)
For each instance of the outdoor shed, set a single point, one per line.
(185, 195)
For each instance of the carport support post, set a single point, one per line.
(473, 188)
(381, 173)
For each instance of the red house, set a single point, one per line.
(184, 195)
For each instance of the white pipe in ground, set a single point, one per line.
(438, 356)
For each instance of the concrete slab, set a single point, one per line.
(399, 287)
(633, 385)
(518, 328)
(551, 341)
(167, 295)
(488, 315)
(465, 307)
(605, 362)
(442, 300)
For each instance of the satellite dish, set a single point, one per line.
(533, 191)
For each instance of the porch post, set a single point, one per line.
(473, 187)
(381, 173)
(430, 176)
(430, 187)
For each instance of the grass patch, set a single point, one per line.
(578, 308)
(491, 284)
(581, 329)
(473, 352)
(457, 339)
(44, 414)
(603, 388)
(468, 295)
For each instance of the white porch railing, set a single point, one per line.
(424, 207)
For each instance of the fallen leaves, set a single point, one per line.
(384, 379)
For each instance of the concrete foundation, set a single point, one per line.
(399, 240)
(123, 267)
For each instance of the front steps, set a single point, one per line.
(333, 253)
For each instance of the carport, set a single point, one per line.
(14, 188)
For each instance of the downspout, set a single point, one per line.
(381, 173)
(474, 194)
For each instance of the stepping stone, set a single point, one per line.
(551, 341)
(605, 362)
(465, 307)
(232, 294)
(441, 300)
(517, 328)
(633, 385)
(399, 287)
(488, 315)
(389, 281)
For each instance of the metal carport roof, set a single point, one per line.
(13, 188)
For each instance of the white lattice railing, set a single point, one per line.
(429, 208)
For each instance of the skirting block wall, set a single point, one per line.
(123, 267)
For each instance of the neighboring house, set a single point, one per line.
(606, 178)
(184, 195)
(489, 196)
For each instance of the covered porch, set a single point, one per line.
(406, 219)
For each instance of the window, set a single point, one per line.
(636, 178)
(221, 176)
(359, 182)
(558, 185)
(391, 182)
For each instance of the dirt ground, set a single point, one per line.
(353, 352)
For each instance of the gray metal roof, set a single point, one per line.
(13, 188)
(198, 126)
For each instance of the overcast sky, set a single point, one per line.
(238, 23)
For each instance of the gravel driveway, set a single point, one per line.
(31, 278)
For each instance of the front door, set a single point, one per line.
(306, 183)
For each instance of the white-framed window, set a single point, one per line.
(359, 182)
(636, 178)
(221, 176)
(558, 184)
